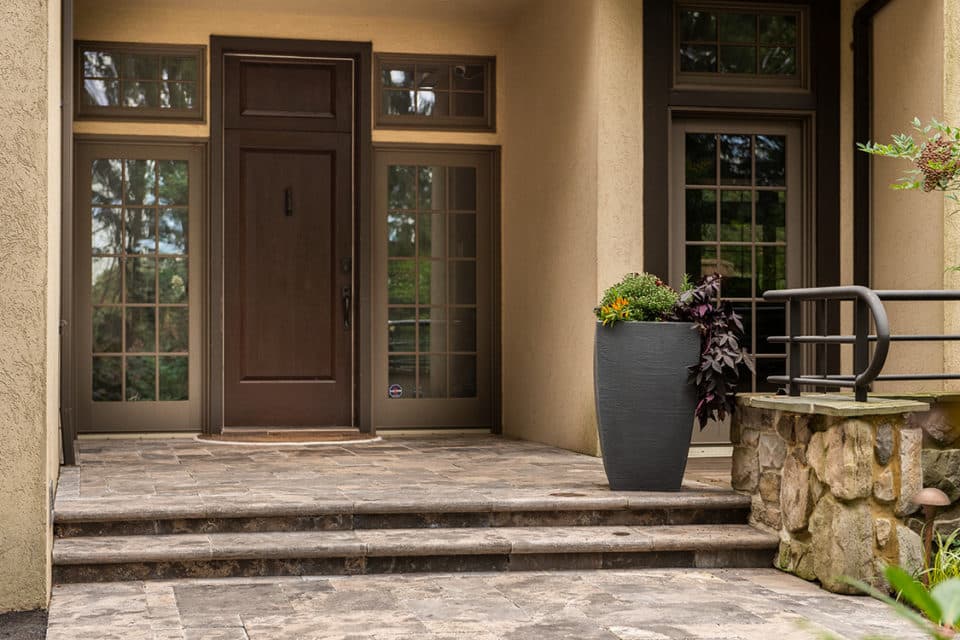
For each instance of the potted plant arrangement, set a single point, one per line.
(662, 358)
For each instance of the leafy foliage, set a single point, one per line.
(936, 611)
(936, 158)
(639, 297)
(945, 563)
(721, 354)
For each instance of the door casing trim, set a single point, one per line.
(361, 53)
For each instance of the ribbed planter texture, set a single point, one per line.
(645, 403)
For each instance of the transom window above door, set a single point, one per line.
(737, 44)
(139, 81)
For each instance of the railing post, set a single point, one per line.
(793, 347)
(861, 345)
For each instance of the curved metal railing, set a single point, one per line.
(868, 309)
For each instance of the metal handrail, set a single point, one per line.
(867, 367)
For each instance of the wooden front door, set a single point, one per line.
(288, 241)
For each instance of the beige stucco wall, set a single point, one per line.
(908, 226)
(29, 293)
(951, 222)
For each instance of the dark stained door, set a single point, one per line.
(288, 245)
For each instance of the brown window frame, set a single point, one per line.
(800, 81)
(145, 114)
(486, 123)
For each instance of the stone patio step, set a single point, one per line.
(116, 558)
(404, 510)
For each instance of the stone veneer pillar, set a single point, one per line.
(833, 478)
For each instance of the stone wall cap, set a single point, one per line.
(833, 404)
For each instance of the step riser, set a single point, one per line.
(347, 522)
(727, 558)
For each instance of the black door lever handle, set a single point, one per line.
(345, 295)
(288, 201)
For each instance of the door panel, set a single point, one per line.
(433, 314)
(738, 211)
(288, 255)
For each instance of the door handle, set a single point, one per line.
(345, 296)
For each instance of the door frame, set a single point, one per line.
(361, 53)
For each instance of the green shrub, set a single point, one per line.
(945, 563)
(639, 297)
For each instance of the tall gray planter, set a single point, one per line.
(645, 403)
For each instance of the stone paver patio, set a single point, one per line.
(760, 604)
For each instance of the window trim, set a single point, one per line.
(744, 81)
(82, 111)
(487, 123)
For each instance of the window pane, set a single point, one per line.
(463, 235)
(463, 282)
(141, 378)
(401, 189)
(701, 261)
(778, 29)
(397, 76)
(141, 94)
(745, 311)
(771, 216)
(771, 321)
(140, 67)
(399, 103)
(467, 105)
(401, 231)
(400, 282)
(432, 103)
(701, 214)
(433, 376)
(105, 230)
(101, 93)
(431, 187)
(771, 161)
(174, 329)
(173, 185)
(735, 59)
(141, 181)
(463, 329)
(771, 269)
(738, 27)
(402, 329)
(107, 329)
(430, 235)
(778, 61)
(99, 64)
(173, 230)
(178, 68)
(402, 371)
(769, 367)
(141, 280)
(735, 216)
(468, 76)
(463, 376)
(698, 58)
(433, 282)
(105, 281)
(141, 230)
(107, 182)
(735, 160)
(173, 280)
(463, 188)
(107, 379)
(178, 95)
(698, 25)
(736, 267)
(433, 77)
(174, 377)
(141, 329)
(701, 158)
(433, 330)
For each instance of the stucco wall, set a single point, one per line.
(29, 219)
(951, 223)
(908, 226)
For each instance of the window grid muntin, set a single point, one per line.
(753, 300)
(446, 211)
(155, 256)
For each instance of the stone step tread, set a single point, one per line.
(240, 506)
(407, 542)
